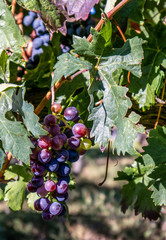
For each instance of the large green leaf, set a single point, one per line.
(13, 135)
(144, 89)
(155, 152)
(9, 31)
(15, 194)
(115, 103)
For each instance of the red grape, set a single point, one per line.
(79, 130)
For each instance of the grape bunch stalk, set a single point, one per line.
(52, 157)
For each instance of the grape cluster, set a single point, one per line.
(52, 158)
(42, 37)
(79, 28)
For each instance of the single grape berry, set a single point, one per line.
(86, 144)
(74, 142)
(27, 20)
(41, 191)
(71, 113)
(62, 155)
(44, 142)
(53, 165)
(50, 185)
(57, 143)
(54, 130)
(73, 155)
(55, 208)
(79, 130)
(37, 181)
(37, 42)
(38, 169)
(37, 205)
(64, 170)
(44, 156)
(62, 187)
(50, 120)
(56, 108)
(31, 187)
(44, 203)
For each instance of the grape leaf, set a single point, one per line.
(155, 152)
(144, 89)
(159, 192)
(68, 65)
(138, 196)
(13, 135)
(115, 102)
(10, 33)
(15, 194)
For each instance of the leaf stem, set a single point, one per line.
(13, 7)
(107, 163)
(159, 112)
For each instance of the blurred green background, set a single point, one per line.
(94, 211)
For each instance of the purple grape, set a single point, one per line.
(62, 155)
(67, 179)
(47, 216)
(54, 130)
(63, 137)
(37, 42)
(50, 120)
(37, 181)
(74, 142)
(37, 205)
(27, 20)
(38, 169)
(44, 156)
(41, 191)
(61, 197)
(68, 132)
(50, 185)
(44, 203)
(53, 165)
(62, 187)
(64, 170)
(57, 142)
(79, 130)
(44, 142)
(55, 208)
(37, 23)
(71, 113)
(40, 30)
(31, 187)
(73, 155)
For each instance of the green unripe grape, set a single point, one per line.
(86, 144)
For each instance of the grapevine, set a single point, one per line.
(68, 78)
